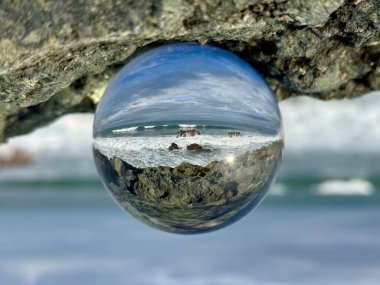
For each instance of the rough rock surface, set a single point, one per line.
(57, 57)
(189, 197)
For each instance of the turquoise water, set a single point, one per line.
(172, 129)
(90, 193)
(62, 228)
(149, 148)
(71, 232)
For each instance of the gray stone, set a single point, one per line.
(188, 133)
(57, 57)
(174, 146)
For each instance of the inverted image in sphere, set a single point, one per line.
(187, 138)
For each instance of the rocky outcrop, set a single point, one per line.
(233, 134)
(187, 133)
(57, 57)
(173, 146)
(191, 198)
(194, 147)
(16, 157)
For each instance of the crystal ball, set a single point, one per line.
(187, 138)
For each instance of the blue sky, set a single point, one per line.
(188, 83)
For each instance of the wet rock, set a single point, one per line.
(225, 179)
(233, 134)
(188, 133)
(197, 148)
(173, 146)
(194, 147)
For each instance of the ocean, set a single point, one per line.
(71, 232)
(147, 146)
(319, 224)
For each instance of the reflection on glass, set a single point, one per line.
(188, 138)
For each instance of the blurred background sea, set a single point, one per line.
(320, 223)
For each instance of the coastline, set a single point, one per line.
(147, 151)
(190, 198)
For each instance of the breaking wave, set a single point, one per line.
(152, 150)
(125, 130)
(350, 187)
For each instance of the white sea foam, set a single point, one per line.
(345, 187)
(125, 130)
(187, 126)
(130, 129)
(144, 151)
(278, 189)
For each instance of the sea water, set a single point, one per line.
(56, 233)
(147, 146)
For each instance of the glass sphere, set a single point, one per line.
(187, 138)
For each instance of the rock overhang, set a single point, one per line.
(57, 58)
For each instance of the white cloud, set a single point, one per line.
(203, 94)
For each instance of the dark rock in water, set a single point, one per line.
(191, 198)
(194, 147)
(174, 146)
(197, 148)
(188, 133)
(233, 134)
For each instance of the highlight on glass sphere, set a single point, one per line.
(188, 138)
